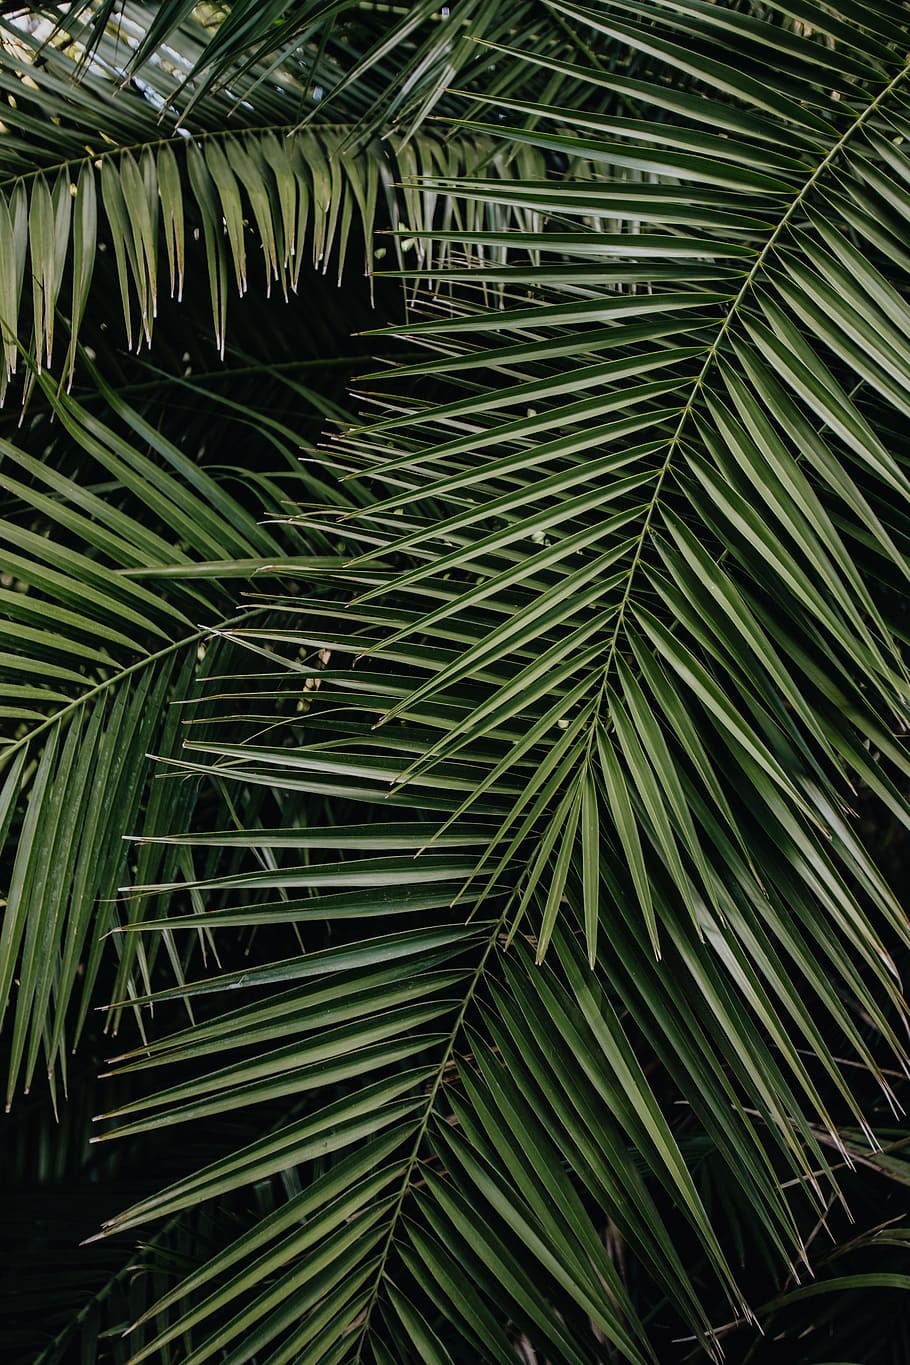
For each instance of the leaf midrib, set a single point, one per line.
(414, 1155)
(178, 139)
(115, 679)
(731, 315)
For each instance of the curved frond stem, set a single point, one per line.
(148, 661)
(730, 317)
(173, 139)
(413, 1157)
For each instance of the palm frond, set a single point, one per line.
(570, 1012)
(119, 576)
(628, 597)
(382, 71)
(86, 166)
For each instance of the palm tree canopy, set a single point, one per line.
(507, 924)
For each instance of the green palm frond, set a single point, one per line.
(85, 166)
(118, 576)
(625, 603)
(382, 69)
(673, 513)
(507, 910)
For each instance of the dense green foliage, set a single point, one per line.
(454, 781)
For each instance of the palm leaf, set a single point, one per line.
(620, 656)
(68, 188)
(673, 636)
(99, 637)
(391, 71)
(105, 162)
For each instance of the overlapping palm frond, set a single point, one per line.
(105, 162)
(86, 166)
(391, 69)
(99, 637)
(591, 931)
(133, 511)
(547, 983)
